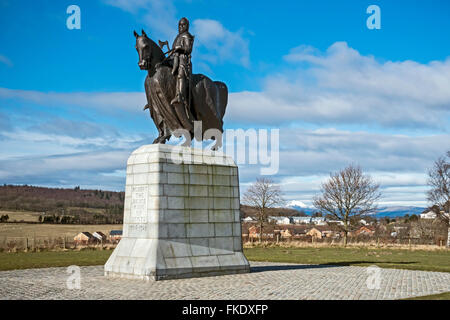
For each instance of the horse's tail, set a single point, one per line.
(222, 98)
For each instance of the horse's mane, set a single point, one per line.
(156, 50)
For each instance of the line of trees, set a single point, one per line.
(349, 195)
(82, 219)
(29, 198)
(346, 195)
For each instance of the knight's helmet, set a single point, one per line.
(186, 21)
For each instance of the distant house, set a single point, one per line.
(314, 233)
(320, 232)
(365, 231)
(249, 219)
(83, 238)
(253, 232)
(286, 233)
(300, 231)
(100, 236)
(428, 215)
(292, 232)
(115, 235)
(279, 220)
(432, 215)
(301, 220)
(330, 234)
(320, 221)
(338, 222)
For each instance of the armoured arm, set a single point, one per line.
(185, 45)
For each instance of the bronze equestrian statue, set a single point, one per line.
(176, 97)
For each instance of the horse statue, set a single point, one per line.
(207, 99)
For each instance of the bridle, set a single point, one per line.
(148, 57)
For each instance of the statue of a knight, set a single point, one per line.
(182, 67)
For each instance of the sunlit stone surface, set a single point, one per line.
(181, 216)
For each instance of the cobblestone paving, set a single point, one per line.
(271, 281)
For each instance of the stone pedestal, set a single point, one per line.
(181, 216)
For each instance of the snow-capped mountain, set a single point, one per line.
(391, 212)
(296, 203)
(398, 211)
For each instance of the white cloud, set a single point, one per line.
(337, 87)
(321, 151)
(398, 163)
(132, 6)
(59, 159)
(341, 86)
(213, 42)
(218, 44)
(85, 169)
(75, 129)
(159, 15)
(306, 152)
(5, 122)
(305, 187)
(22, 143)
(102, 161)
(106, 101)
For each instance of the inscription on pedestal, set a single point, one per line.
(139, 195)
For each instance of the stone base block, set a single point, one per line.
(152, 259)
(181, 216)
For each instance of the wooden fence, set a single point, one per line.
(12, 244)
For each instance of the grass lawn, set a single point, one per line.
(441, 296)
(27, 260)
(402, 259)
(44, 230)
(438, 260)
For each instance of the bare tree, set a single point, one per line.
(439, 194)
(262, 195)
(346, 195)
(428, 230)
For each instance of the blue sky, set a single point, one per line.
(71, 100)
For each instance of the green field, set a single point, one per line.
(41, 230)
(26, 216)
(441, 296)
(27, 260)
(438, 260)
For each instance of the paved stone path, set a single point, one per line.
(271, 281)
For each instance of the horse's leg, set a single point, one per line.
(165, 135)
(159, 125)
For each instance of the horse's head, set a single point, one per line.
(144, 49)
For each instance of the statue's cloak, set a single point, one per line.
(208, 102)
